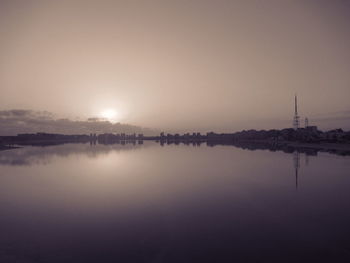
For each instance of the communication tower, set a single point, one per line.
(296, 116)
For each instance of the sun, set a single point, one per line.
(109, 114)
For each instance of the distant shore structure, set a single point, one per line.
(296, 122)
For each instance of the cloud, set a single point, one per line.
(17, 121)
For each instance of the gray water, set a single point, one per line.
(172, 203)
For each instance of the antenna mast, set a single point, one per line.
(296, 116)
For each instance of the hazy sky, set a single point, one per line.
(179, 65)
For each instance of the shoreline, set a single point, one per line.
(296, 144)
(292, 146)
(6, 147)
(322, 146)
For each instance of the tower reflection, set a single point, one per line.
(296, 160)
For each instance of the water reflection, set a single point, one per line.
(30, 155)
(136, 202)
(296, 158)
(43, 153)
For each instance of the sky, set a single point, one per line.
(178, 66)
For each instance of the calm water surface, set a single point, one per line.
(176, 203)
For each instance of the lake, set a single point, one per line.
(172, 203)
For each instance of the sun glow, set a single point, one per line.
(109, 114)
